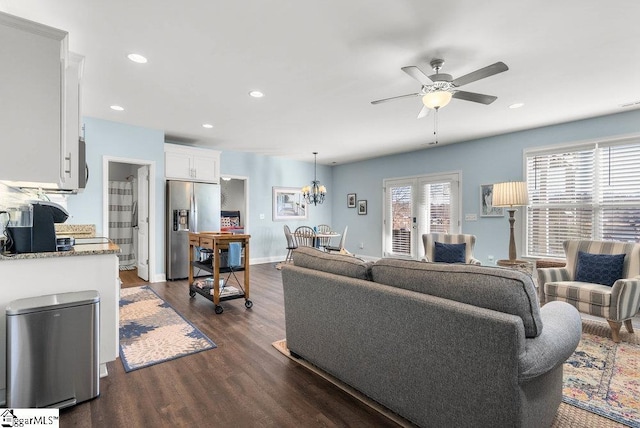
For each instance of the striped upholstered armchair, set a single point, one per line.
(607, 287)
(430, 239)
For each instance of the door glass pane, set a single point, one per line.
(437, 207)
(401, 219)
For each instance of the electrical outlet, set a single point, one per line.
(361, 245)
(261, 216)
(490, 258)
(471, 217)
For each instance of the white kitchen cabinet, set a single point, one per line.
(191, 163)
(39, 115)
(73, 165)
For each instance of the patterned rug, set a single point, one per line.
(603, 377)
(152, 332)
(601, 381)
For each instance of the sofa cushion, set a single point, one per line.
(603, 269)
(339, 264)
(503, 290)
(449, 253)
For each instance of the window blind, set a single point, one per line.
(585, 192)
(435, 209)
(619, 192)
(401, 205)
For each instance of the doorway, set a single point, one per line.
(234, 191)
(418, 205)
(127, 220)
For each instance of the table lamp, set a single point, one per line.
(511, 194)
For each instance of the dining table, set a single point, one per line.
(317, 236)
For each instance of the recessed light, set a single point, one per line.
(256, 94)
(516, 105)
(117, 108)
(226, 178)
(207, 125)
(137, 58)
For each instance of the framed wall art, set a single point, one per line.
(351, 200)
(362, 207)
(288, 204)
(486, 202)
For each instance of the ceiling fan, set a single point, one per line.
(438, 89)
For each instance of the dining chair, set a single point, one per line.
(340, 248)
(291, 244)
(322, 242)
(304, 236)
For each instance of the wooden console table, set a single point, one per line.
(218, 241)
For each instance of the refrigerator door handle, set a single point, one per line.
(194, 212)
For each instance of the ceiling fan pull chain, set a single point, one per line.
(435, 125)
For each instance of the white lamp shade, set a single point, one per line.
(510, 194)
(437, 99)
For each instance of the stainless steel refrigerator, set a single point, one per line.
(191, 207)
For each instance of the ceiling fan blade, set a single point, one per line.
(487, 71)
(476, 98)
(424, 112)
(417, 74)
(384, 100)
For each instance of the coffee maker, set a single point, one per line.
(31, 226)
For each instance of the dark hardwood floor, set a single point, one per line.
(130, 278)
(245, 382)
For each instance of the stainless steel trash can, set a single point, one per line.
(53, 350)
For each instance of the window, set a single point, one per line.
(589, 191)
(419, 205)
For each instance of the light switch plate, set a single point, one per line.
(470, 217)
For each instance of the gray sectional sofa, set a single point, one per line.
(438, 344)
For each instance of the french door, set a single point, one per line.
(418, 205)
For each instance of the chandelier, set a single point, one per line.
(315, 193)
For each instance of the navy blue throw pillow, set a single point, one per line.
(450, 253)
(603, 269)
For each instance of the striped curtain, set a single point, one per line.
(121, 217)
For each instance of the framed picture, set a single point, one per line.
(486, 202)
(288, 204)
(362, 207)
(351, 200)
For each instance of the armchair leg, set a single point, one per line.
(629, 326)
(615, 329)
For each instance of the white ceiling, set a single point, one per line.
(320, 64)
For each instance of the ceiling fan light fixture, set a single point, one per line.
(437, 99)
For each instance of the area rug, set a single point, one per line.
(598, 368)
(152, 332)
(603, 377)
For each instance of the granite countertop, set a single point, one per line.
(78, 250)
(75, 230)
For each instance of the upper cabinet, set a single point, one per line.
(191, 163)
(40, 112)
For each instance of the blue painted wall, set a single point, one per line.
(265, 172)
(482, 161)
(114, 139)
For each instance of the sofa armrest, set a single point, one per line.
(561, 332)
(625, 299)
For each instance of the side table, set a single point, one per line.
(521, 265)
